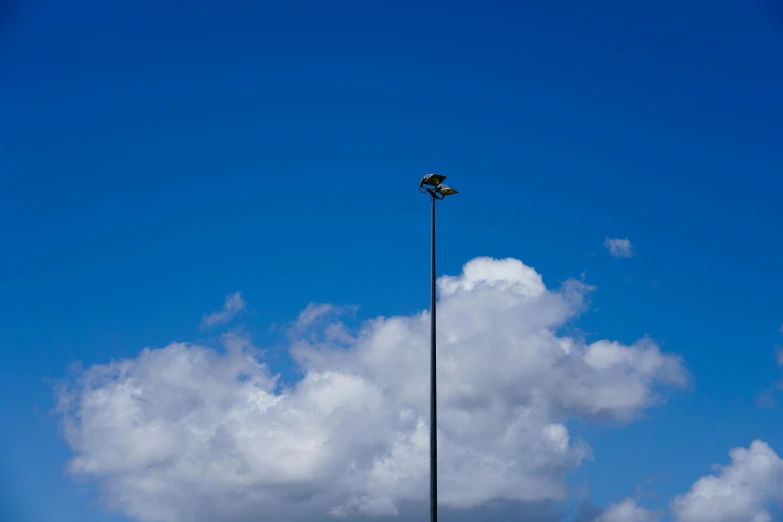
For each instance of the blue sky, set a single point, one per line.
(155, 158)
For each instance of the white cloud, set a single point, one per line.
(619, 247)
(779, 356)
(231, 307)
(311, 314)
(739, 492)
(191, 433)
(627, 511)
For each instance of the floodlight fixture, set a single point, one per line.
(432, 180)
(444, 191)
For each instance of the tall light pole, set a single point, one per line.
(437, 190)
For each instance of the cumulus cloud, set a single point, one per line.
(627, 511)
(739, 492)
(619, 247)
(231, 307)
(196, 433)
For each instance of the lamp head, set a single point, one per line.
(432, 180)
(444, 191)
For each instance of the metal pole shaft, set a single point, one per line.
(433, 395)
